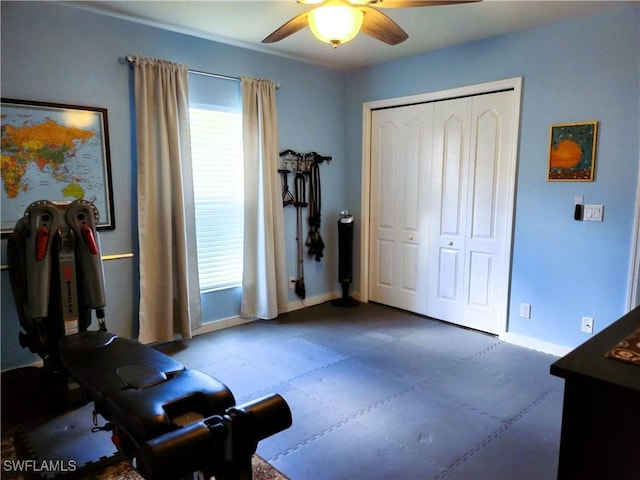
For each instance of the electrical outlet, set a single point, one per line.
(587, 324)
(292, 282)
(525, 310)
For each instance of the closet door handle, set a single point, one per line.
(451, 244)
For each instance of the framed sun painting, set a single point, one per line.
(572, 152)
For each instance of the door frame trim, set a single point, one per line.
(633, 293)
(514, 84)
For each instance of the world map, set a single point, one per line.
(50, 154)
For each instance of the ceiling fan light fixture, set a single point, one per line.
(335, 23)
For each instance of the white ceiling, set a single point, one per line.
(245, 23)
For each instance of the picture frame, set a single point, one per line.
(572, 152)
(57, 152)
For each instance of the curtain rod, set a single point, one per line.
(131, 59)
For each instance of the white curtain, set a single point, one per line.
(264, 282)
(169, 287)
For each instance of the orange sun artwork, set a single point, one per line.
(572, 149)
(566, 155)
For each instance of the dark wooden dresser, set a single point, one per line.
(601, 414)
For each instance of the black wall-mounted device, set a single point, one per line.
(577, 213)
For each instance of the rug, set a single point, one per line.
(30, 392)
(121, 470)
(628, 350)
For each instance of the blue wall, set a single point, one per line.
(61, 54)
(584, 69)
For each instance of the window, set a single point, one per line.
(216, 149)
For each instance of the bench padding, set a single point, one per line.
(93, 358)
(144, 392)
(186, 397)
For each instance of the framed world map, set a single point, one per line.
(54, 152)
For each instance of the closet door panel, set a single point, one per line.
(386, 176)
(383, 221)
(442, 193)
(410, 190)
(449, 203)
(480, 269)
(452, 157)
(399, 165)
(448, 275)
(491, 174)
(484, 181)
(385, 264)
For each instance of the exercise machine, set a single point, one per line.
(169, 421)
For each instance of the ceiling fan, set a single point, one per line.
(338, 21)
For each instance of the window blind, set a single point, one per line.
(216, 149)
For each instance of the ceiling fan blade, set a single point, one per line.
(417, 3)
(289, 28)
(381, 27)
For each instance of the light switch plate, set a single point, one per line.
(593, 213)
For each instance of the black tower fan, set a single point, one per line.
(345, 258)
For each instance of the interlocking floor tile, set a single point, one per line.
(407, 362)
(430, 426)
(352, 452)
(310, 417)
(451, 341)
(527, 449)
(350, 386)
(493, 392)
(378, 393)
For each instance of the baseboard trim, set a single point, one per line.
(291, 306)
(535, 344)
(311, 301)
(220, 324)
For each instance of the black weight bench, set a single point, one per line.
(170, 420)
(145, 393)
(173, 420)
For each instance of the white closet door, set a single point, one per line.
(450, 171)
(400, 167)
(472, 201)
